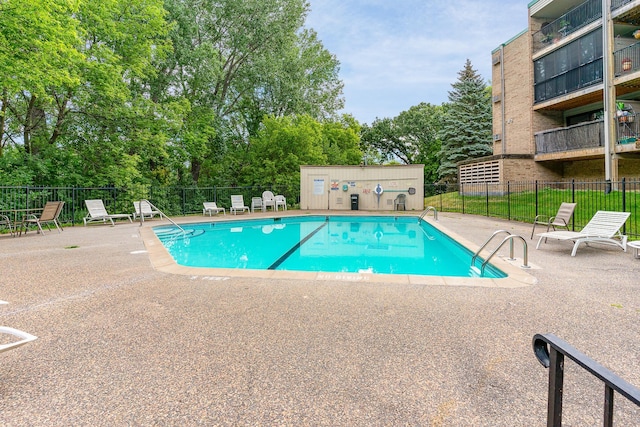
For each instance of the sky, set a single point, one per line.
(395, 54)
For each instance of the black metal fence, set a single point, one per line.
(517, 201)
(18, 201)
(522, 201)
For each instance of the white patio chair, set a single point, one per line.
(212, 208)
(237, 204)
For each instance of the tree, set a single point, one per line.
(411, 137)
(79, 121)
(281, 146)
(38, 50)
(341, 141)
(466, 128)
(236, 61)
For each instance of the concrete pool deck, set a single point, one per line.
(124, 342)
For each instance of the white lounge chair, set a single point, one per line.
(268, 199)
(49, 215)
(256, 203)
(604, 227)
(145, 209)
(561, 219)
(24, 338)
(281, 201)
(212, 207)
(237, 204)
(97, 212)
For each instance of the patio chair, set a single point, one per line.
(212, 207)
(281, 201)
(400, 200)
(561, 219)
(237, 203)
(49, 215)
(268, 199)
(24, 338)
(604, 227)
(145, 209)
(97, 212)
(5, 222)
(256, 203)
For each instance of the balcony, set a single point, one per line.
(585, 140)
(572, 21)
(583, 136)
(627, 60)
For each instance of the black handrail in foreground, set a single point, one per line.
(550, 351)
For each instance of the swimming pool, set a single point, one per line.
(346, 244)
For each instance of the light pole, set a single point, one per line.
(609, 96)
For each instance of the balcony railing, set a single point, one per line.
(576, 137)
(627, 60)
(615, 4)
(551, 352)
(572, 21)
(586, 135)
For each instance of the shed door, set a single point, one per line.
(318, 192)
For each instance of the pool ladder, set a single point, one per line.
(156, 208)
(426, 211)
(510, 237)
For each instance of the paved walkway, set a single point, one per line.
(123, 343)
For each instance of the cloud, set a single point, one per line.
(397, 54)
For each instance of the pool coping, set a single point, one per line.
(162, 261)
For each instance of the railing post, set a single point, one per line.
(608, 406)
(556, 379)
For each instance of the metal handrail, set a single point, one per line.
(550, 351)
(156, 208)
(495, 233)
(508, 238)
(426, 211)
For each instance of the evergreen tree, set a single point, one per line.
(466, 127)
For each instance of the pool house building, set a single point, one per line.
(371, 188)
(566, 96)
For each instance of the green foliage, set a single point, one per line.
(410, 138)
(466, 126)
(281, 146)
(341, 141)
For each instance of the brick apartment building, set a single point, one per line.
(551, 84)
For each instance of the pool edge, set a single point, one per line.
(162, 261)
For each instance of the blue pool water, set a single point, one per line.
(382, 245)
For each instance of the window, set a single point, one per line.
(571, 67)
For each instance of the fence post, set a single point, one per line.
(487, 187)
(74, 196)
(624, 194)
(624, 203)
(508, 200)
(536, 196)
(462, 192)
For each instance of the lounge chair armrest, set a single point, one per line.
(542, 218)
(553, 219)
(25, 338)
